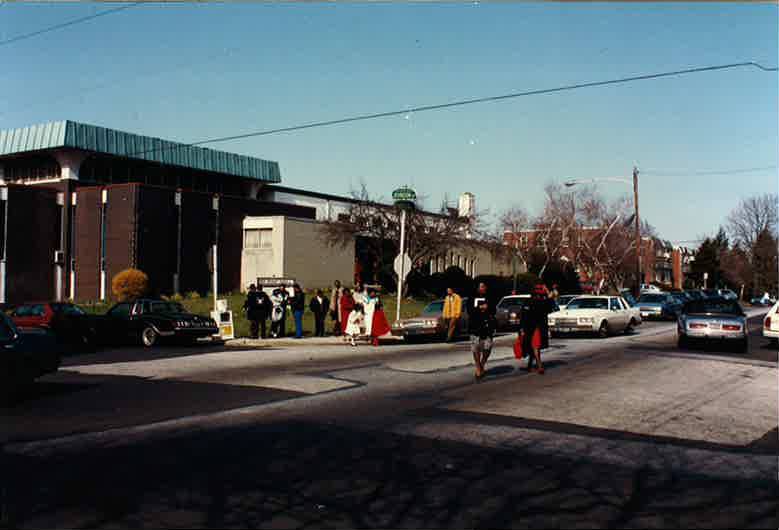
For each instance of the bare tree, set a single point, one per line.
(751, 218)
(428, 235)
(513, 225)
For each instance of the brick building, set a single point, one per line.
(79, 203)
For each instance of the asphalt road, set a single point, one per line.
(626, 431)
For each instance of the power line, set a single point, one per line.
(67, 24)
(683, 173)
(460, 103)
(464, 102)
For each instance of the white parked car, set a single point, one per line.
(602, 315)
(648, 288)
(771, 323)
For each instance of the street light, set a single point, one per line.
(573, 182)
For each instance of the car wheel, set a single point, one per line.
(603, 330)
(682, 342)
(742, 346)
(149, 336)
(630, 327)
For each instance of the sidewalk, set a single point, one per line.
(244, 342)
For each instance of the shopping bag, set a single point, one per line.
(518, 347)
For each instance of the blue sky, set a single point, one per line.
(190, 72)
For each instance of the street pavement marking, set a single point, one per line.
(644, 395)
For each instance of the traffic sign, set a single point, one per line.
(406, 262)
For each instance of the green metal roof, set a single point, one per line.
(76, 135)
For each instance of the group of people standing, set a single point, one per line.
(533, 336)
(354, 313)
(261, 307)
(358, 313)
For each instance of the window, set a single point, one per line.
(257, 238)
(67, 309)
(37, 311)
(120, 310)
(613, 304)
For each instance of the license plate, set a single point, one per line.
(644, 313)
(566, 330)
(715, 326)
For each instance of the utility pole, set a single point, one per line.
(638, 233)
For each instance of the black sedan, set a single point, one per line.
(24, 355)
(148, 320)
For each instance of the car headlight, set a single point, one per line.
(398, 325)
(586, 320)
(513, 315)
(431, 323)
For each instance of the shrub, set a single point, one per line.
(192, 295)
(129, 284)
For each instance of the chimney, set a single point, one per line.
(467, 205)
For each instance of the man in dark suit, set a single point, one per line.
(319, 306)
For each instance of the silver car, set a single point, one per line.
(430, 324)
(713, 320)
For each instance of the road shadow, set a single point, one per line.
(138, 353)
(305, 475)
(101, 402)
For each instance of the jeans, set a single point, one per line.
(298, 324)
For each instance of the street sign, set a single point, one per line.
(405, 198)
(406, 261)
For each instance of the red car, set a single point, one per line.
(69, 323)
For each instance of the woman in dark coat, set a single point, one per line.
(346, 305)
(535, 326)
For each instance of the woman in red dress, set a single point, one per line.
(380, 324)
(346, 305)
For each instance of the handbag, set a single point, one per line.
(518, 347)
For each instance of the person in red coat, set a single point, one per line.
(346, 306)
(380, 325)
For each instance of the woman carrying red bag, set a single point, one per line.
(535, 327)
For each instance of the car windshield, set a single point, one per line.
(434, 308)
(563, 300)
(67, 309)
(652, 298)
(589, 303)
(166, 307)
(510, 301)
(714, 306)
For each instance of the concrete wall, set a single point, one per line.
(326, 209)
(263, 263)
(309, 260)
(297, 252)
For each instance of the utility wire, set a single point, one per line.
(464, 102)
(683, 173)
(460, 103)
(67, 24)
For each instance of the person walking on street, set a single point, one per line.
(452, 312)
(319, 306)
(335, 308)
(345, 305)
(481, 327)
(535, 326)
(298, 306)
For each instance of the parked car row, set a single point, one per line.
(143, 321)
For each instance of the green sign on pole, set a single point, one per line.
(404, 197)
